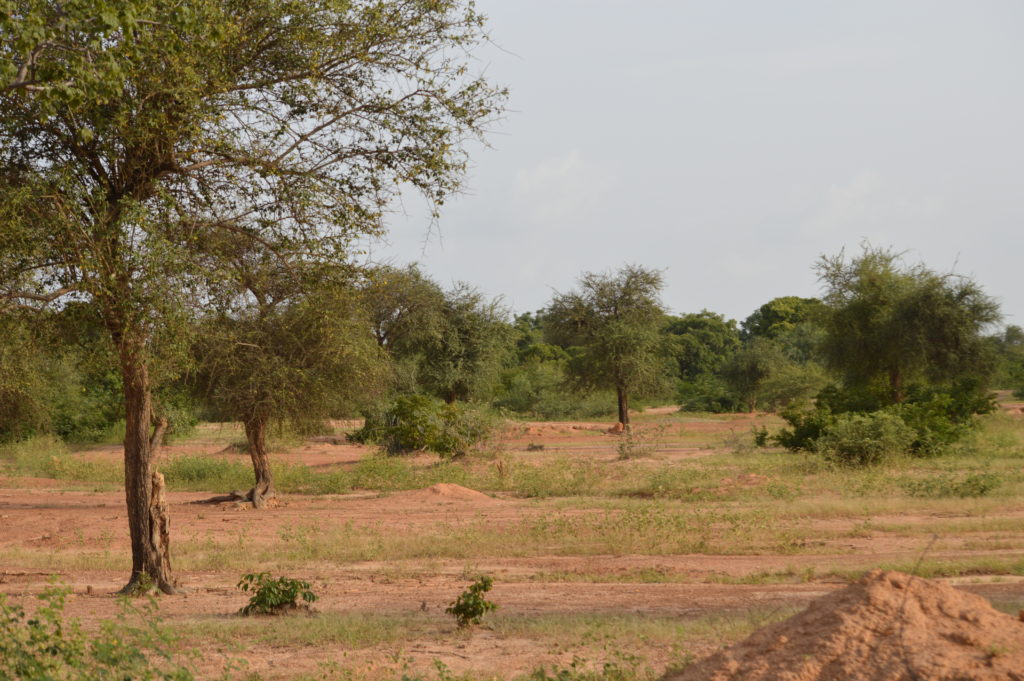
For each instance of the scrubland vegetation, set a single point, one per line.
(183, 188)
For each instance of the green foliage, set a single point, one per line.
(23, 394)
(806, 427)
(706, 393)
(701, 342)
(858, 440)
(792, 385)
(474, 342)
(302, 355)
(972, 485)
(747, 370)
(46, 646)
(271, 596)
(780, 316)
(419, 422)
(895, 326)
(1008, 349)
(404, 307)
(86, 405)
(935, 423)
(471, 605)
(613, 322)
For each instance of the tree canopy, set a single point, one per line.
(891, 325)
(614, 320)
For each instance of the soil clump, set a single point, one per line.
(888, 626)
(448, 492)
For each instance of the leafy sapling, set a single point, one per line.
(272, 596)
(470, 607)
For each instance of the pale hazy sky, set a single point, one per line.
(731, 143)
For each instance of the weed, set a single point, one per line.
(470, 607)
(48, 646)
(636, 443)
(973, 485)
(273, 596)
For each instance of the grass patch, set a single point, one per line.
(937, 568)
(350, 630)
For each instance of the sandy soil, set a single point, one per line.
(37, 514)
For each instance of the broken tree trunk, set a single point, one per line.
(144, 488)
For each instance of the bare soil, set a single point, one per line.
(42, 515)
(889, 626)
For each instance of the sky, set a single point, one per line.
(732, 143)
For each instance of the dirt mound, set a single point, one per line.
(448, 492)
(889, 626)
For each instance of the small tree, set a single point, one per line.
(893, 325)
(291, 347)
(615, 320)
(750, 367)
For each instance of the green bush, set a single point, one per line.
(706, 393)
(865, 439)
(805, 428)
(418, 422)
(272, 596)
(471, 606)
(46, 647)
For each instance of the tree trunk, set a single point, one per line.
(144, 488)
(623, 397)
(896, 386)
(256, 435)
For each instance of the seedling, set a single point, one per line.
(470, 607)
(273, 596)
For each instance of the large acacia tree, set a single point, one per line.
(614, 322)
(892, 325)
(292, 124)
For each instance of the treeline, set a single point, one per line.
(284, 344)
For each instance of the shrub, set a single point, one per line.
(806, 428)
(272, 596)
(938, 421)
(470, 607)
(418, 422)
(865, 439)
(45, 645)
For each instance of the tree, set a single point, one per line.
(474, 342)
(405, 310)
(893, 325)
(704, 342)
(780, 315)
(290, 124)
(23, 408)
(291, 344)
(1008, 349)
(747, 370)
(615, 321)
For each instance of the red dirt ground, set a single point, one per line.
(37, 514)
